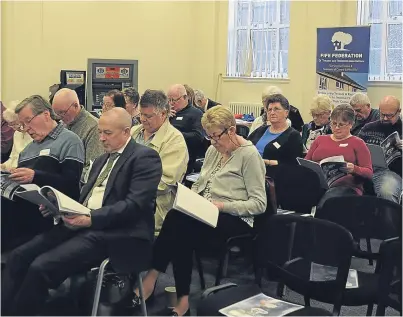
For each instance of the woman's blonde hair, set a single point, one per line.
(9, 114)
(321, 103)
(219, 117)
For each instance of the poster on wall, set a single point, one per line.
(342, 62)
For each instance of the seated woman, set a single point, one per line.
(353, 149)
(321, 108)
(232, 178)
(20, 139)
(277, 143)
(113, 98)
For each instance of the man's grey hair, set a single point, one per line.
(360, 98)
(156, 98)
(38, 105)
(199, 95)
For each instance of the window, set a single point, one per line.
(322, 83)
(339, 85)
(385, 18)
(258, 35)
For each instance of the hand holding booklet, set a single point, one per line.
(196, 206)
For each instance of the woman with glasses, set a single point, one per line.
(113, 98)
(132, 99)
(352, 148)
(321, 108)
(277, 143)
(232, 178)
(20, 139)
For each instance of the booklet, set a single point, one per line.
(377, 156)
(58, 203)
(260, 305)
(389, 147)
(196, 206)
(328, 169)
(321, 273)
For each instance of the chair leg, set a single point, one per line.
(98, 287)
(369, 249)
(141, 293)
(307, 301)
(200, 270)
(380, 310)
(220, 269)
(225, 265)
(369, 310)
(280, 290)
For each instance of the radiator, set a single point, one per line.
(245, 108)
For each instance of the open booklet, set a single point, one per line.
(385, 153)
(57, 202)
(196, 206)
(260, 305)
(328, 169)
(321, 273)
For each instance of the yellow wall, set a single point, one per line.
(180, 41)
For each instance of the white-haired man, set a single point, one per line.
(203, 102)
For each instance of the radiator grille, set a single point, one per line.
(245, 108)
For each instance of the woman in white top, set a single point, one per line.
(20, 140)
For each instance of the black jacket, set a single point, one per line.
(212, 103)
(295, 117)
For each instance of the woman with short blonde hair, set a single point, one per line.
(233, 179)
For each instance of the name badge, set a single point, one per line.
(343, 145)
(179, 118)
(44, 152)
(277, 146)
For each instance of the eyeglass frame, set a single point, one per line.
(389, 116)
(171, 100)
(216, 137)
(28, 122)
(63, 113)
(338, 125)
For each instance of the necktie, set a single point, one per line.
(102, 176)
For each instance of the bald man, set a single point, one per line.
(387, 181)
(67, 106)
(121, 192)
(187, 119)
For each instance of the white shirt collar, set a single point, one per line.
(120, 151)
(205, 107)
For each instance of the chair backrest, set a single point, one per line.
(320, 242)
(364, 216)
(242, 130)
(260, 222)
(297, 188)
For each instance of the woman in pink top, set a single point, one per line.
(353, 149)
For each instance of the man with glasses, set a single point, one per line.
(387, 182)
(363, 112)
(54, 158)
(67, 106)
(187, 119)
(156, 132)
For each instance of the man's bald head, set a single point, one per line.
(389, 109)
(177, 97)
(178, 89)
(66, 104)
(114, 129)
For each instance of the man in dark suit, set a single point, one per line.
(203, 102)
(121, 192)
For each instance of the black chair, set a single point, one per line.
(390, 279)
(242, 130)
(368, 218)
(223, 251)
(297, 188)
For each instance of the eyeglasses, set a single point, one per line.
(63, 113)
(338, 125)
(317, 115)
(25, 123)
(275, 109)
(172, 100)
(215, 137)
(388, 115)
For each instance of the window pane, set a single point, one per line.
(258, 47)
(272, 12)
(376, 35)
(375, 9)
(243, 13)
(283, 62)
(394, 62)
(241, 51)
(258, 12)
(395, 8)
(284, 12)
(394, 36)
(283, 45)
(375, 62)
(271, 39)
(394, 51)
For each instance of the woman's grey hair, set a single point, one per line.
(38, 105)
(269, 91)
(131, 94)
(344, 112)
(199, 95)
(156, 98)
(360, 99)
(9, 114)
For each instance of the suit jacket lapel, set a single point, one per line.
(121, 160)
(95, 171)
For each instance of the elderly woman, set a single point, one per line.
(277, 143)
(232, 178)
(20, 139)
(353, 149)
(321, 108)
(113, 98)
(132, 98)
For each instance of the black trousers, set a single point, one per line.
(45, 262)
(180, 235)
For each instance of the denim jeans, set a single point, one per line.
(387, 184)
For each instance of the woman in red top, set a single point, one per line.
(353, 149)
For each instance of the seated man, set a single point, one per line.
(54, 158)
(387, 182)
(156, 132)
(204, 103)
(67, 106)
(187, 119)
(363, 112)
(121, 193)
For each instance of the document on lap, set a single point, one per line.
(195, 206)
